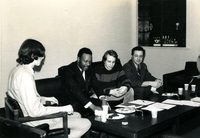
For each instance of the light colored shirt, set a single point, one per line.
(21, 87)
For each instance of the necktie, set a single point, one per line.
(138, 70)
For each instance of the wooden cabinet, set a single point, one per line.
(162, 23)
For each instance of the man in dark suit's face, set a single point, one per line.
(137, 57)
(84, 61)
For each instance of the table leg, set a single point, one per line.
(176, 127)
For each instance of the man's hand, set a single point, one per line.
(118, 92)
(155, 84)
(53, 100)
(69, 109)
(123, 90)
(159, 81)
(94, 107)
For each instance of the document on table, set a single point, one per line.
(150, 108)
(174, 102)
(142, 102)
(158, 106)
(196, 99)
(162, 105)
(190, 103)
(182, 102)
(136, 103)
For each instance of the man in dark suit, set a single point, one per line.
(143, 83)
(76, 84)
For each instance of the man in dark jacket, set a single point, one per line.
(143, 83)
(76, 84)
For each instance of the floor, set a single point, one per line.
(195, 133)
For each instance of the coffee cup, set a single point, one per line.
(186, 86)
(180, 91)
(104, 116)
(154, 113)
(193, 87)
(105, 108)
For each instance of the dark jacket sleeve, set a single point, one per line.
(132, 75)
(148, 76)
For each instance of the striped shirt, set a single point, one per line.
(104, 80)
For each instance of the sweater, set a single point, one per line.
(104, 80)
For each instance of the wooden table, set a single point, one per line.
(143, 126)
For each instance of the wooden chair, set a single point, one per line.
(13, 129)
(14, 112)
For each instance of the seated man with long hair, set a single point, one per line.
(21, 87)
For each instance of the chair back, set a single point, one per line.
(13, 110)
(191, 68)
(49, 87)
(13, 129)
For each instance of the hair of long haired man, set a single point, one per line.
(29, 51)
(111, 53)
(84, 50)
(138, 48)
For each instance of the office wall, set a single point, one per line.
(164, 60)
(66, 26)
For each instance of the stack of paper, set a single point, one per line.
(159, 106)
(136, 103)
(182, 102)
(196, 99)
(174, 102)
(162, 106)
(142, 102)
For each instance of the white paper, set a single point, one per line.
(174, 102)
(141, 102)
(182, 102)
(162, 106)
(150, 108)
(195, 99)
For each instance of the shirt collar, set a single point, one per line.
(30, 68)
(137, 66)
(80, 69)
